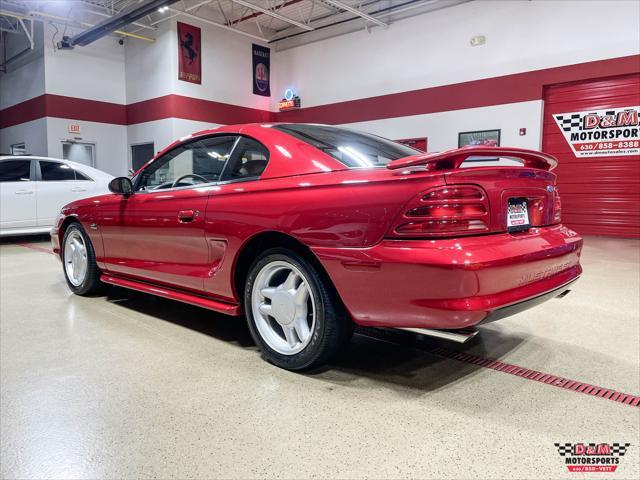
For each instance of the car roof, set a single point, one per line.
(79, 166)
(30, 157)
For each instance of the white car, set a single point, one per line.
(34, 189)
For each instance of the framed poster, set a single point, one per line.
(189, 53)
(487, 138)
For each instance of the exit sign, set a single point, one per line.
(74, 128)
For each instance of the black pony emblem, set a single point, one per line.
(187, 44)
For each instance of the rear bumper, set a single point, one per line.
(453, 283)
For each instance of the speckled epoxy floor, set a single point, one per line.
(130, 386)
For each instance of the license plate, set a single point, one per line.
(517, 215)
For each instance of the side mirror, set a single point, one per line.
(121, 186)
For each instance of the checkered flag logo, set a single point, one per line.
(564, 449)
(568, 122)
(619, 449)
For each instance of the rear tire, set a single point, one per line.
(293, 313)
(79, 262)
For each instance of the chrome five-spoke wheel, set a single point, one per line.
(75, 258)
(79, 261)
(293, 312)
(283, 307)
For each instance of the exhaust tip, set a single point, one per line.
(564, 294)
(460, 336)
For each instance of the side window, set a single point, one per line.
(56, 171)
(249, 160)
(200, 161)
(81, 176)
(15, 171)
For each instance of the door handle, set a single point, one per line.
(24, 192)
(185, 216)
(78, 189)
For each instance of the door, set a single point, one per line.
(229, 212)
(17, 194)
(58, 184)
(141, 154)
(589, 126)
(157, 234)
(84, 153)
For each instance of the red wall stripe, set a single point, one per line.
(178, 106)
(84, 109)
(517, 87)
(49, 105)
(26, 111)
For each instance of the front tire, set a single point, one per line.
(293, 313)
(79, 262)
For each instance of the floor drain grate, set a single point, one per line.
(561, 382)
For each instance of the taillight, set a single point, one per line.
(446, 211)
(557, 206)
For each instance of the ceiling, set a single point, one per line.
(284, 23)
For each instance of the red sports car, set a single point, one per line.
(310, 229)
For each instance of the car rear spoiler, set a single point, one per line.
(451, 159)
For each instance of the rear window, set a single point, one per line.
(353, 149)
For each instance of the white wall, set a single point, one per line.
(110, 141)
(226, 68)
(433, 49)
(24, 78)
(95, 72)
(441, 129)
(152, 69)
(33, 134)
(149, 67)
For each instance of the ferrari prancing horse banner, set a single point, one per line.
(189, 53)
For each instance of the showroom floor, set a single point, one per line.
(129, 385)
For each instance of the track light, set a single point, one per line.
(163, 9)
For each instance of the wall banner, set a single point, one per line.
(189, 53)
(601, 133)
(261, 65)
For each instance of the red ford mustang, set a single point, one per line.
(310, 229)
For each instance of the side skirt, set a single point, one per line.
(208, 303)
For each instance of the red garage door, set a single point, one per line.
(598, 180)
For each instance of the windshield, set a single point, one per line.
(353, 149)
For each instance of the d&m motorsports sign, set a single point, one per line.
(601, 133)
